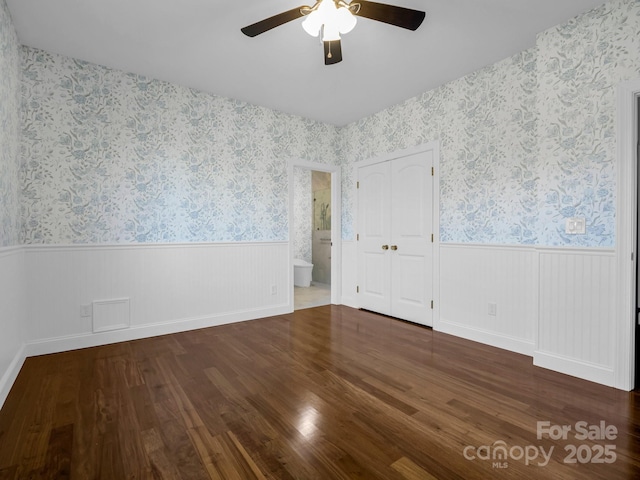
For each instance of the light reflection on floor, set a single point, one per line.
(307, 421)
(314, 296)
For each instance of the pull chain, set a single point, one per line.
(329, 54)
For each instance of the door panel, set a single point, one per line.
(395, 210)
(376, 284)
(408, 202)
(411, 288)
(374, 214)
(411, 227)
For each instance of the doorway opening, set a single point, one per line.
(314, 234)
(312, 240)
(637, 322)
(626, 345)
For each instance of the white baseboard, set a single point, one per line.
(349, 301)
(9, 377)
(74, 342)
(575, 368)
(512, 344)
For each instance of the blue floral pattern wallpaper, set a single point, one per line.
(486, 126)
(112, 157)
(302, 214)
(525, 143)
(581, 63)
(9, 131)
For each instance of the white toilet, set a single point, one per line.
(302, 273)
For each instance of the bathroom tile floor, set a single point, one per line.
(314, 296)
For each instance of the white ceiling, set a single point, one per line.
(198, 43)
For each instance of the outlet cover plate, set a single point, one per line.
(575, 226)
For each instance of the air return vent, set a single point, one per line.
(111, 315)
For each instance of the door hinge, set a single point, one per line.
(433, 171)
(358, 289)
(431, 304)
(357, 237)
(432, 238)
(357, 184)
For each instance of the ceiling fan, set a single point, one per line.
(333, 17)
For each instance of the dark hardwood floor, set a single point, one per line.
(324, 393)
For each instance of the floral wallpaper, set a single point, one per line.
(525, 143)
(486, 126)
(580, 65)
(9, 131)
(302, 214)
(116, 157)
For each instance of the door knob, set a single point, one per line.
(394, 247)
(385, 247)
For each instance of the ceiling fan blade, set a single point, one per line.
(271, 22)
(332, 52)
(391, 14)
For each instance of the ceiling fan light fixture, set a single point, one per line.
(336, 17)
(312, 24)
(330, 33)
(345, 19)
(330, 17)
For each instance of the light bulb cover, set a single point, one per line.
(312, 24)
(345, 20)
(330, 32)
(330, 17)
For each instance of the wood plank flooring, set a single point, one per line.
(324, 393)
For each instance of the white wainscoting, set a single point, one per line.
(556, 305)
(576, 326)
(474, 276)
(349, 274)
(12, 317)
(171, 288)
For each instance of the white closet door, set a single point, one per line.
(411, 228)
(374, 231)
(395, 252)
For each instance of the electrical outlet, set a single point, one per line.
(85, 310)
(575, 226)
(274, 290)
(493, 309)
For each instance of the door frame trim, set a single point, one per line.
(336, 225)
(424, 147)
(626, 225)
